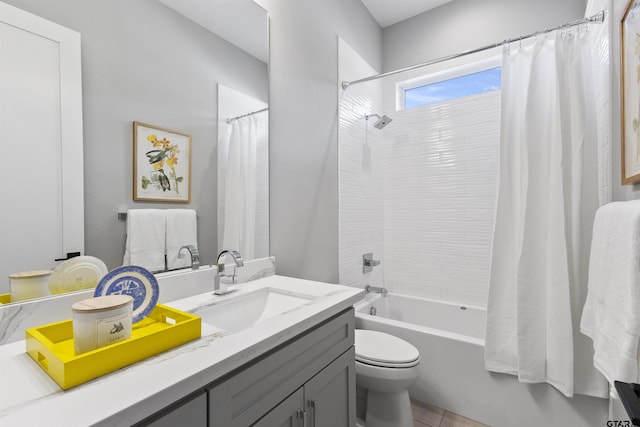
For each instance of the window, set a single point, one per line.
(444, 90)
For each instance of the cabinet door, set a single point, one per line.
(242, 399)
(289, 413)
(331, 394)
(192, 413)
(41, 137)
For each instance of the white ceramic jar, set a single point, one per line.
(101, 321)
(29, 284)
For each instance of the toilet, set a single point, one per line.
(386, 366)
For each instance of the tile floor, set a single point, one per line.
(425, 415)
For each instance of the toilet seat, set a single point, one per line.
(384, 350)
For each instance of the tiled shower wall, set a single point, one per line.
(440, 172)
(360, 172)
(419, 194)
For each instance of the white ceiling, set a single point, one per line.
(240, 22)
(388, 12)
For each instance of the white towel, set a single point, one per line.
(145, 239)
(611, 315)
(181, 230)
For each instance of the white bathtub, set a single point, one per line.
(450, 339)
(464, 323)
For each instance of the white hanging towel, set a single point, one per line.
(145, 239)
(181, 230)
(611, 316)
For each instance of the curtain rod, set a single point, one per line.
(597, 18)
(248, 114)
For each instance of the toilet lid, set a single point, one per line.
(379, 348)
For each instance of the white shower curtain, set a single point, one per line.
(547, 198)
(240, 188)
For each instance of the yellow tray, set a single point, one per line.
(52, 347)
(5, 298)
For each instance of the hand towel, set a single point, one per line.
(145, 244)
(181, 230)
(611, 315)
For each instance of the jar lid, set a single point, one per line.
(30, 274)
(97, 304)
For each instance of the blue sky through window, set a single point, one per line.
(470, 84)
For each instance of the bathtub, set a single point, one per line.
(450, 339)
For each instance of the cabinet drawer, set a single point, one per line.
(250, 393)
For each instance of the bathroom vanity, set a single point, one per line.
(311, 375)
(293, 362)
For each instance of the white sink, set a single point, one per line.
(243, 311)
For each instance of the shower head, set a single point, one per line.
(381, 122)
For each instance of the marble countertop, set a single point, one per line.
(28, 396)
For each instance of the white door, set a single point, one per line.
(41, 166)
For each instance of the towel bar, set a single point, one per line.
(122, 216)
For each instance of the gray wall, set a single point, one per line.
(142, 61)
(467, 24)
(304, 127)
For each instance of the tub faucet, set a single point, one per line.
(369, 289)
(195, 256)
(220, 288)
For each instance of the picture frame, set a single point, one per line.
(630, 92)
(161, 164)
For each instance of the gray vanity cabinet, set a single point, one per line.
(308, 381)
(192, 413)
(320, 364)
(322, 401)
(289, 413)
(330, 395)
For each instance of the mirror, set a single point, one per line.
(159, 62)
(243, 174)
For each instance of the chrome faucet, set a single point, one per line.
(220, 288)
(195, 256)
(369, 289)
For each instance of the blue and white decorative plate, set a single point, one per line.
(138, 282)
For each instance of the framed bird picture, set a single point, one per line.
(161, 164)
